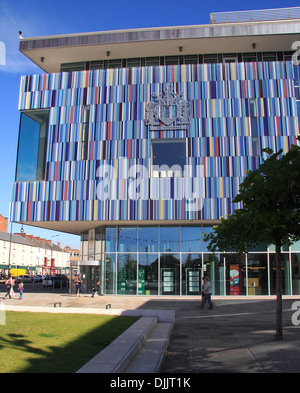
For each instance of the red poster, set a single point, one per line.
(235, 280)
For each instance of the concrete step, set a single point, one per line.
(116, 357)
(149, 358)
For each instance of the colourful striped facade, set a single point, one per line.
(219, 139)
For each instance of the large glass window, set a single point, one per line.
(213, 267)
(109, 274)
(191, 239)
(285, 271)
(127, 274)
(257, 274)
(148, 239)
(168, 157)
(191, 274)
(148, 274)
(33, 134)
(110, 239)
(170, 239)
(127, 239)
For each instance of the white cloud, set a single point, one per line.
(11, 22)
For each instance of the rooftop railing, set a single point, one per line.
(255, 16)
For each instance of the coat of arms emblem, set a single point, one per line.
(167, 110)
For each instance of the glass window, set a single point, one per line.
(285, 270)
(99, 243)
(170, 239)
(148, 274)
(191, 239)
(257, 274)
(32, 146)
(152, 61)
(170, 274)
(134, 62)
(127, 239)
(109, 274)
(213, 267)
(110, 239)
(296, 274)
(148, 239)
(205, 230)
(168, 157)
(191, 274)
(235, 274)
(295, 246)
(127, 274)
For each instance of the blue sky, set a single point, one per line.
(37, 18)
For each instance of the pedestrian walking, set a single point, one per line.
(21, 290)
(10, 287)
(97, 289)
(206, 293)
(78, 285)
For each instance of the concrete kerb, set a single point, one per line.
(118, 356)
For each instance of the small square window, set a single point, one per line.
(168, 157)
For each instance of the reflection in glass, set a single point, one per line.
(191, 239)
(127, 239)
(205, 230)
(213, 267)
(148, 274)
(99, 243)
(191, 274)
(169, 239)
(257, 274)
(170, 274)
(296, 274)
(31, 159)
(110, 239)
(285, 271)
(148, 239)
(109, 274)
(127, 274)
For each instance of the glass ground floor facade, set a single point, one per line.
(171, 260)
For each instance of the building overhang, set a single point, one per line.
(50, 52)
(77, 227)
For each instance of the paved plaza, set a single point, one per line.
(237, 336)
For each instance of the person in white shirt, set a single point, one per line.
(206, 293)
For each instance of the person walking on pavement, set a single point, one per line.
(206, 293)
(21, 290)
(10, 287)
(78, 285)
(97, 289)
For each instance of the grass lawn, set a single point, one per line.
(55, 343)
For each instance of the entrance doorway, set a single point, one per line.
(90, 272)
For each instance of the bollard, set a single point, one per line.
(57, 304)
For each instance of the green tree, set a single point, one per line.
(270, 213)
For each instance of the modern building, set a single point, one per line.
(139, 139)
